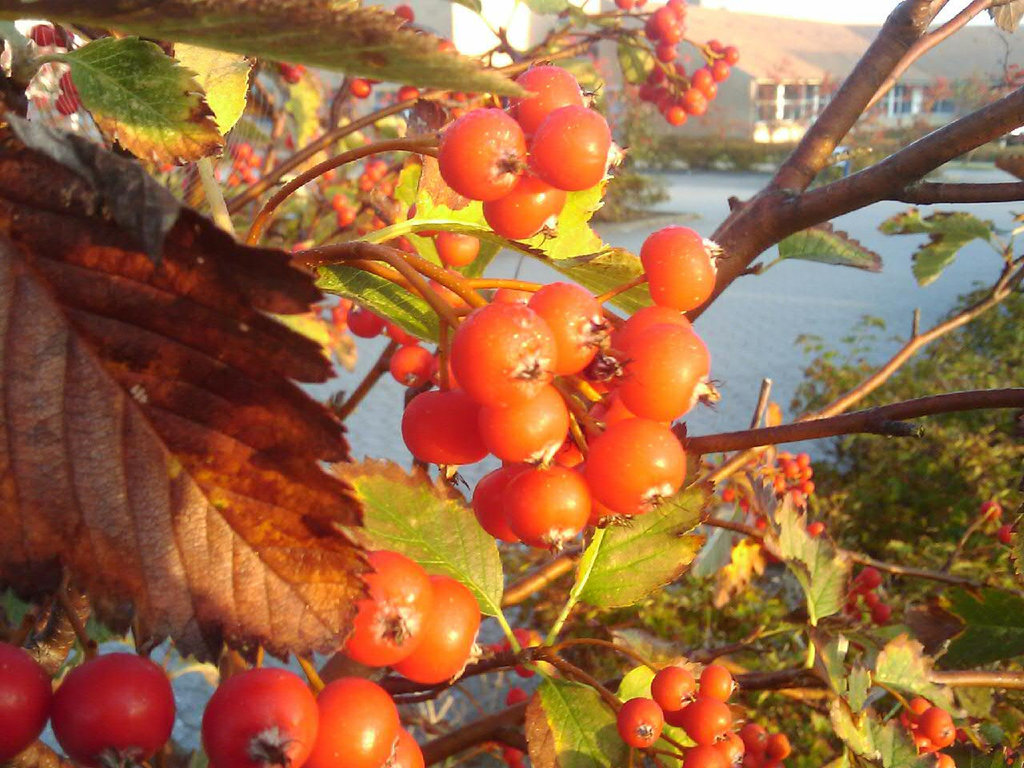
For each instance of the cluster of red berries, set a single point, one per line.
(424, 627)
(701, 710)
(517, 368)
(245, 165)
(992, 512)
(932, 729)
(793, 476)
(291, 73)
(864, 587)
(521, 162)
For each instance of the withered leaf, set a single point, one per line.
(153, 442)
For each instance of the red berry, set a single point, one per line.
(407, 752)
(640, 722)
(399, 335)
(503, 354)
(511, 296)
(412, 365)
(489, 502)
(570, 148)
(260, 718)
(576, 322)
(778, 747)
(754, 737)
(704, 82)
(673, 687)
(547, 507)
(364, 323)
(675, 115)
(634, 464)
(936, 725)
(407, 93)
(732, 748)
(694, 102)
(43, 35)
(869, 578)
(516, 696)
(716, 682)
(405, 12)
(359, 88)
(664, 26)
(25, 692)
(526, 209)
(731, 54)
(1005, 534)
(666, 52)
(704, 720)
(358, 725)
(551, 88)
(991, 510)
(815, 529)
(440, 427)
(704, 756)
(455, 249)
(720, 71)
(663, 372)
(530, 431)
(482, 154)
(390, 621)
(448, 634)
(641, 321)
(942, 760)
(680, 270)
(119, 704)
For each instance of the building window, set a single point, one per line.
(901, 100)
(944, 107)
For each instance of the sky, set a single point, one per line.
(860, 12)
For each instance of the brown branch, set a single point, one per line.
(883, 420)
(371, 378)
(538, 579)
(476, 732)
(971, 678)
(931, 193)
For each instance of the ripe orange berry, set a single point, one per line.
(440, 427)
(529, 431)
(576, 322)
(716, 682)
(547, 507)
(679, 267)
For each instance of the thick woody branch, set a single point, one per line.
(884, 420)
(930, 193)
(476, 732)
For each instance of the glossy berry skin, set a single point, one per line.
(754, 737)
(530, 431)
(359, 88)
(868, 579)
(407, 752)
(119, 704)
(633, 464)
(448, 634)
(778, 747)
(881, 613)
(673, 687)
(503, 354)
(704, 756)
(680, 271)
(389, 623)
(482, 154)
(489, 502)
(358, 725)
(526, 209)
(704, 720)
(936, 724)
(260, 718)
(640, 722)
(716, 682)
(663, 372)
(547, 507)
(550, 88)
(364, 323)
(1005, 534)
(694, 102)
(732, 748)
(640, 322)
(440, 427)
(25, 697)
(570, 148)
(576, 322)
(455, 249)
(411, 365)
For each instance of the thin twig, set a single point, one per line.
(541, 577)
(214, 196)
(371, 378)
(932, 193)
(762, 403)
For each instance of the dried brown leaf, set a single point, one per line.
(153, 441)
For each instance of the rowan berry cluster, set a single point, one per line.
(932, 729)
(245, 165)
(864, 587)
(700, 709)
(992, 512)
(793, 476)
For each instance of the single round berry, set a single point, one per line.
(260, 718)
(634, 464)
(455, 249)
(754, 737)
(732, 748)
(778, 747)
(530, 431)
(447, 637)
(489, 502)
(936, 724)
(119, 706)
(411, 365)
(640, 322)
(869, 578)
(704, 720)
(673, 688)
(1005, 534)
(358, 725)
(364, 323)
(570, 148)
(680, 270)
(663, 373)
(25, 694)
(815, 529)
(576, 322)
(640, 722)
(881, 613)
(547, 507)
(359, 88)
(550, 88)
(389, 623)
(704, 756)
(482, 154)
(441, 427)
(407, 752)
(716, 682)
(526, 209)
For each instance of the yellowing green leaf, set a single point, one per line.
(568, 726)
(224, 77)
(144, 99)
(600, 272)
(902, 664)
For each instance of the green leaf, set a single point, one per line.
(303, 105)
(888, 743)
(857, 686)
(143, 99)
(224, 77)
(948, 233)
(993, 628)
(367, 41)
(822, 243)
(901, 664)
(547, 6)
(637, 684)
(572, 236)
(428, 523)
(381, 296)
(634, 61)
(570, 727)
(630, 561)
(600, 272)
(815, 562)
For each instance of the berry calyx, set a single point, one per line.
(639, 722)
(482, 154)
(547, 507)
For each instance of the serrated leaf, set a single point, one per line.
(600, 272)
(634, 61)
(830, 659)
(745, 563)
(887, 744)
(144, 99)
(632, 560)
(637, 684)
(303, 106)
(993, 628)
(573, 236)
(547, 6)
(382, 296)
(824, 244)
(568, 726)
(1007, 17)
(821, 570)
(367, 41)
(224, 78)
(901, 664)
(858, 683)
(948, 233)
(428, 523)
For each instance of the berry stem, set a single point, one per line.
(586, 567)
(604, 644)
(372, 376)
(214, 196)
(312, 675)
(618, 290)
